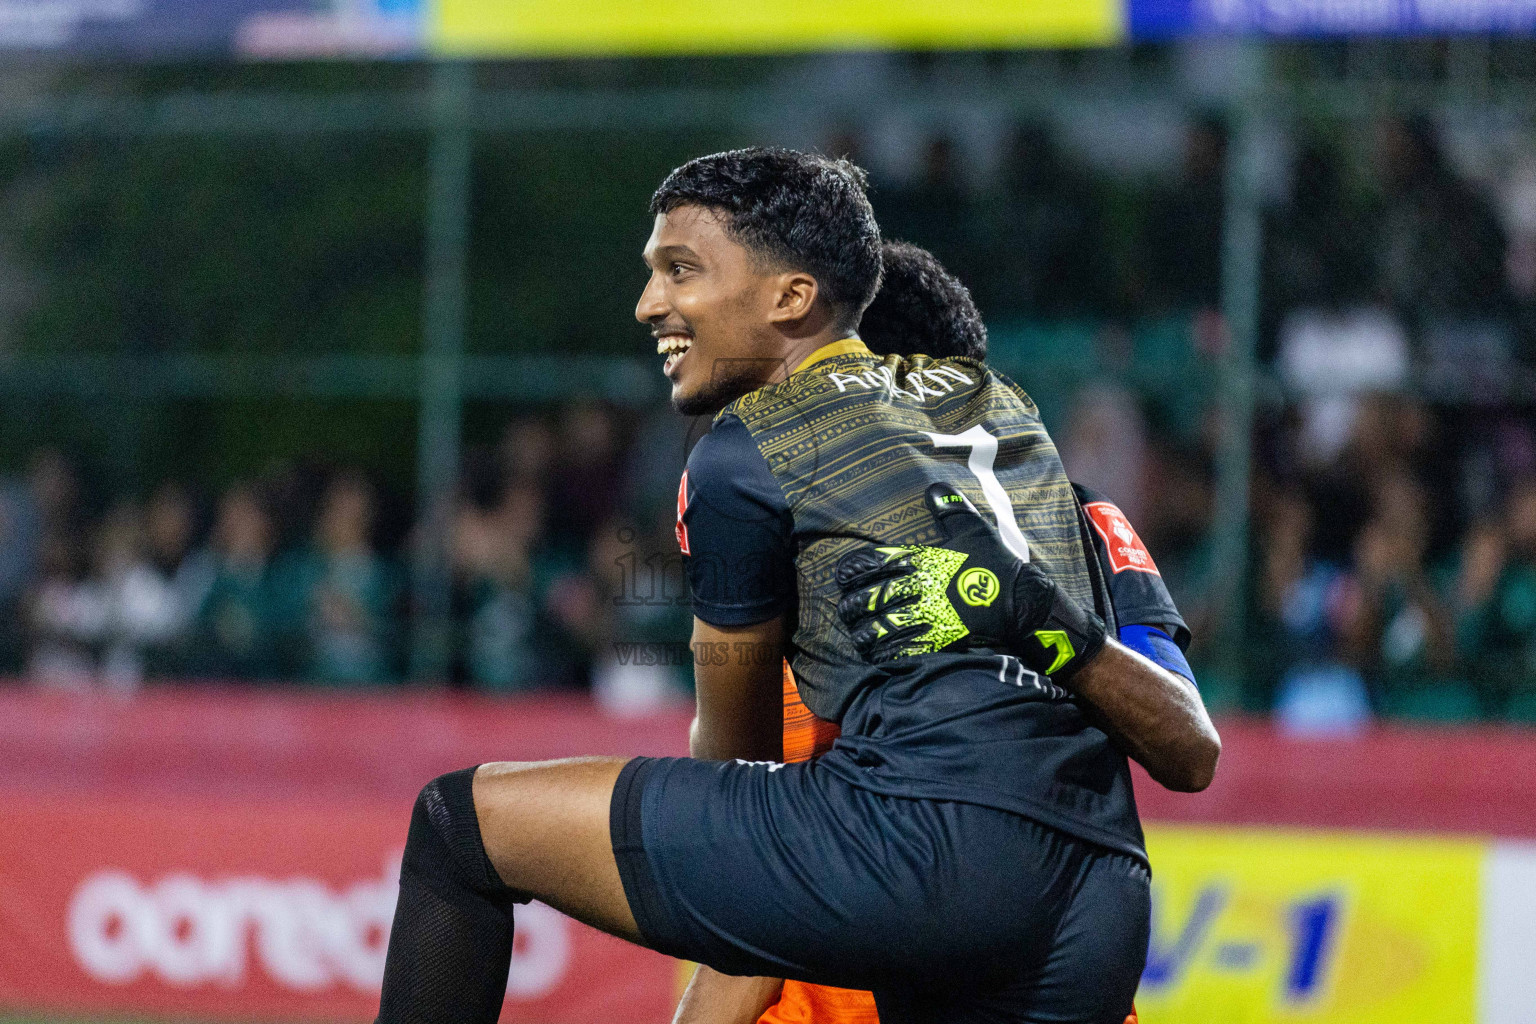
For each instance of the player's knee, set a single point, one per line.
(444, 842)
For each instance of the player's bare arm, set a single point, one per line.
(738, 673)
(715, 998)
(737, 680)
(1155, 715)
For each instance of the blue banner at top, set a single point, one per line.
(1163, 19)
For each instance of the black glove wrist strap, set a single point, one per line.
(1060, 642)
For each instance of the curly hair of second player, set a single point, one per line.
(922, 307)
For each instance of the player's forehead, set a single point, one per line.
(690, 230)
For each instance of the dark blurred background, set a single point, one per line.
(325, 374)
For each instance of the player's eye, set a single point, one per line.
(676, 269)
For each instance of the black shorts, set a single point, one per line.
(948, 911)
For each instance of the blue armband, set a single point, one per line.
(1157, 647)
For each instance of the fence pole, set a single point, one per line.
(1241, 270)
(442, 365)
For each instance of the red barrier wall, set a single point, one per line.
(232, 741)
(1479, 781)
(225, 853)
(230, 854)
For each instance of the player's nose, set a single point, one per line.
(652, 306)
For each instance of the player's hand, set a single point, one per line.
(971, 591)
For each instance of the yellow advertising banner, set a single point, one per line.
(532, 27)
(1263, 927)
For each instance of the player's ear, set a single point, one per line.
(794, 294)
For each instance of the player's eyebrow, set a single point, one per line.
(663, 253)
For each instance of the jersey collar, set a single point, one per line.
(848, 346)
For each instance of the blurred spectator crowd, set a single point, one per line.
(1393, 575)
(1396, 574)
(564, 572)
(1395, 503)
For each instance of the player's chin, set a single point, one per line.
(695, 398)
(692, 400)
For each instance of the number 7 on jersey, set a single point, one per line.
(983, 456)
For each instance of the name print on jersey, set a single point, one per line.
(881, 378)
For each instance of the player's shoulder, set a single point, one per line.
(1007, 383)
(722, 453)
(1087, 495)
(728, 471)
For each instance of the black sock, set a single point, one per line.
(451, 942)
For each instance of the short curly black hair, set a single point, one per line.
(796, 209)
(922, 308)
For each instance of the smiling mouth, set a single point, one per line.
(674, 347)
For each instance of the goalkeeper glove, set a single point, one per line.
(970, 591)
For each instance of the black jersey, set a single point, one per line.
(839, 455)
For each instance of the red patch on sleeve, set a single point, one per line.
(1126, 551)
(682, 506)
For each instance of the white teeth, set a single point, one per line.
(673, 344)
